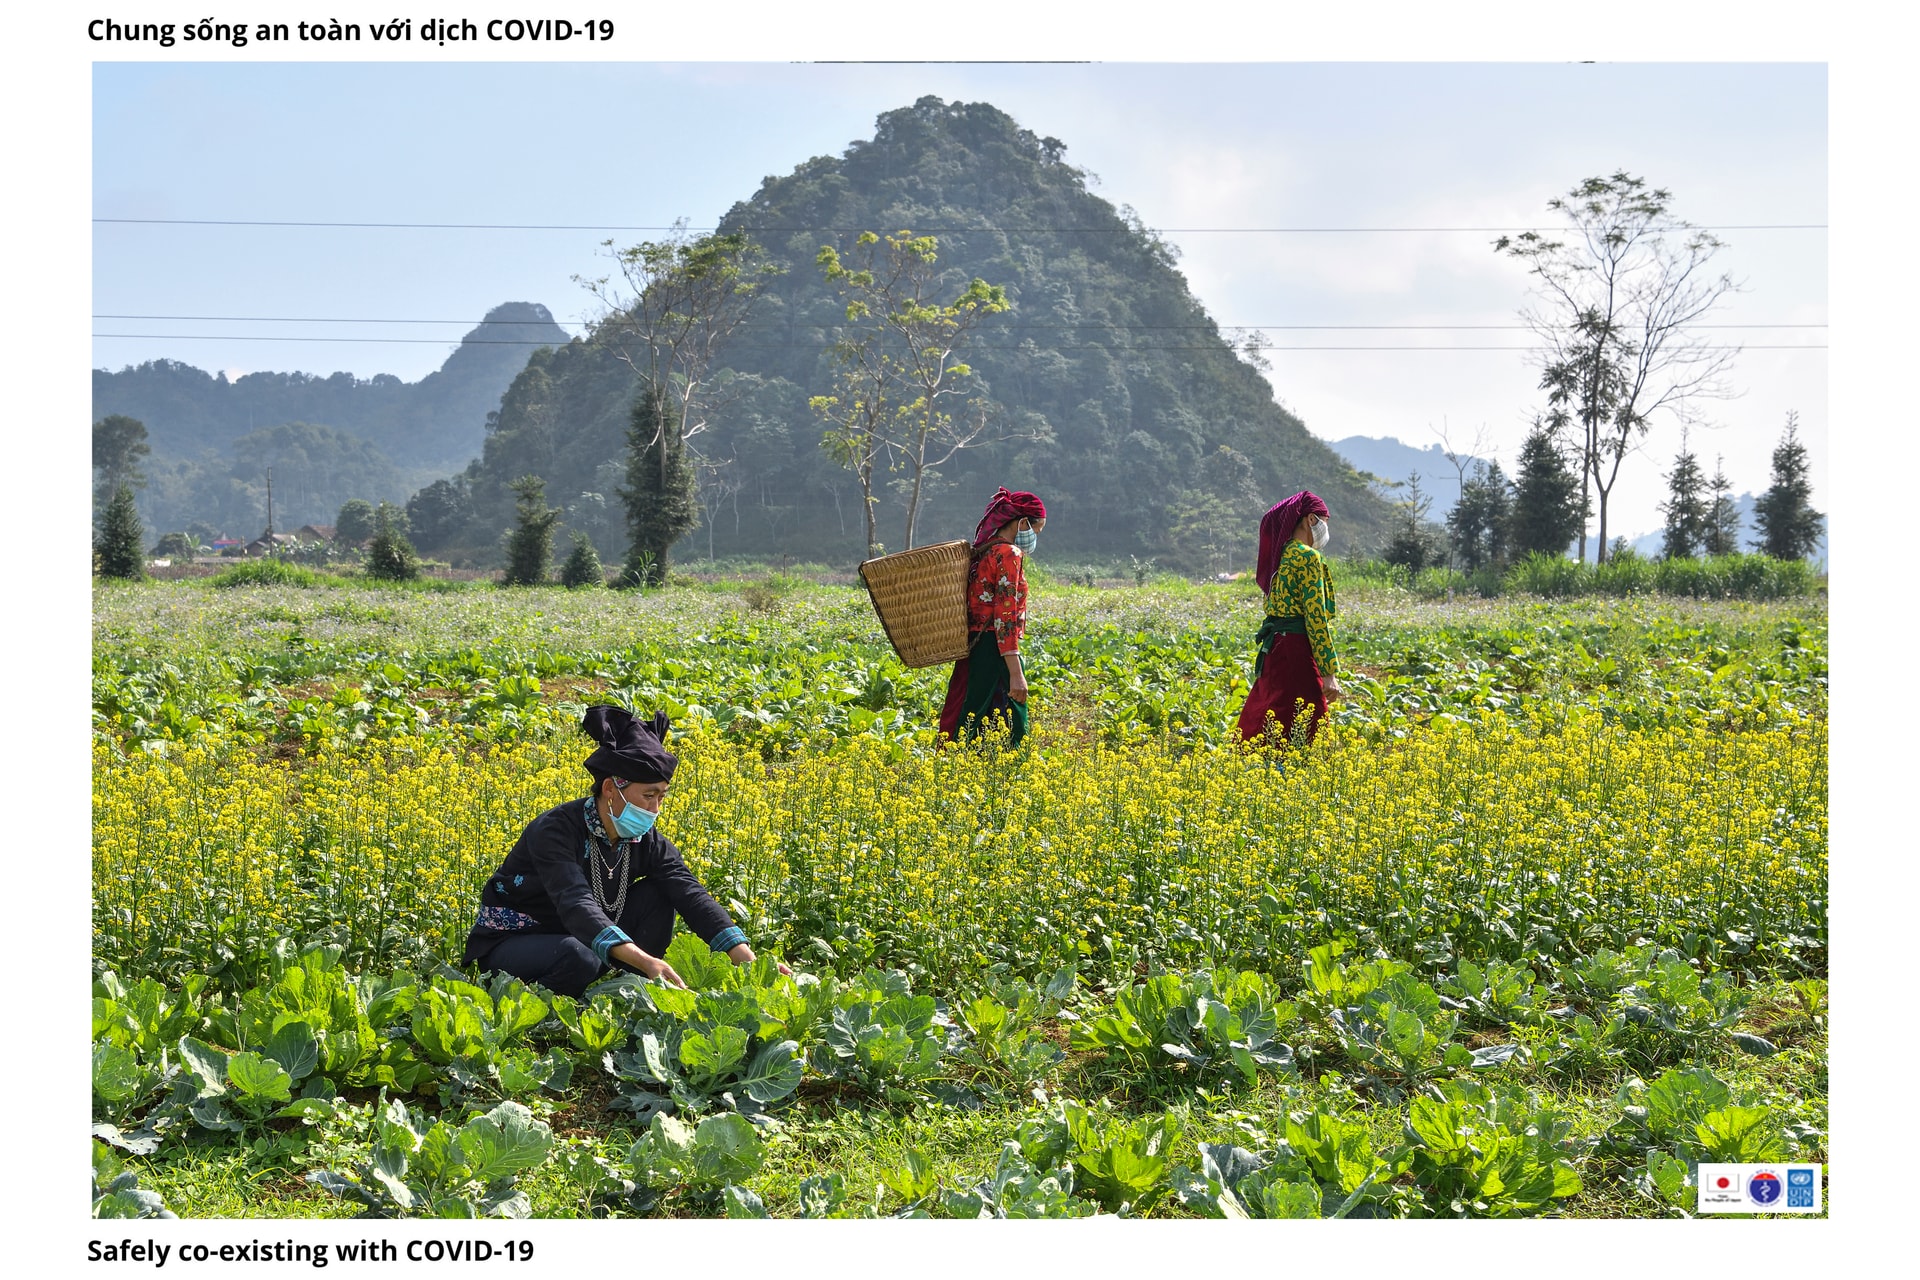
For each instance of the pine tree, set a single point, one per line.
(1479, 521)
(1723, 515)
(583, 568)
(390, 556)
(530, 544)
(1789, 526)
(1687, 510)
(659, 495)
(119, 549)
(1547, 513)
(1412, 542)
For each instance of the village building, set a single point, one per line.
(269, 542)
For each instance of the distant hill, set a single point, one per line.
(1106, 350)
(1395, 460)
(375, 438)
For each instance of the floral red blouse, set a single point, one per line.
(997, 596)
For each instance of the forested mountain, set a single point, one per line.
(327, 438)
(1147, 433)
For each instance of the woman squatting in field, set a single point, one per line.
(989, 683)
(1293, 671)
(592, 884)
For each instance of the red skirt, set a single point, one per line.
(1288, 684)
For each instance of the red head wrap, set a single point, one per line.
(1008, 506)
(1277, 526)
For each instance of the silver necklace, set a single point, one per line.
(597, 864)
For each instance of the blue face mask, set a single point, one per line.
(1026, 540)
(632, 822)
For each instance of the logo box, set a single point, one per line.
(1759, 1188)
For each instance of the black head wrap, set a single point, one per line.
(629, 748)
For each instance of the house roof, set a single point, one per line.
(274, 540)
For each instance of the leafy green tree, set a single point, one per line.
(118, 549)
(1723, 514)
(861, 415)
(1548, 510)
(659, 491)
(390, 556)
(530, 544)
(894, 285)
(583, 568)
(1687, 509)
(174, 546)
(440, 512)
(354, 524)
(119, 442)
(1621, 301)
(1789, 526)
(1480, 519)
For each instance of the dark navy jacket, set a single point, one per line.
(542, 887)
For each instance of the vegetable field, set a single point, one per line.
(1538, 925)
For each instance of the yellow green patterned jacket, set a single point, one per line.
(1302, 588)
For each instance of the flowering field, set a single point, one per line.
(1537, 925)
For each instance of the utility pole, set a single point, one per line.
(269, 532)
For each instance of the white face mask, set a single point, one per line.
(1320, 534)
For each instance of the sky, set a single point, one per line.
(1397, 167)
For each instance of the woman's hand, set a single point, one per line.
(1016, 678)
(1331, 688)
(743, 954)
(649, 966)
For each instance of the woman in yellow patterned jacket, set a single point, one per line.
(1293, 670)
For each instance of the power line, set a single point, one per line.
(751, 324)
(816, 346)
(775, 230)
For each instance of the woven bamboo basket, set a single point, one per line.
(921, 597)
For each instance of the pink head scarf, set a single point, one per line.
(1007, 506)
(1277, 526)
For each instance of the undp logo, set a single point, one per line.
(1763, 1188)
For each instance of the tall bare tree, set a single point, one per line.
(1619, 301)
(719, 481)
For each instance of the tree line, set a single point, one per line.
(1498, 522)
(119, 447)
